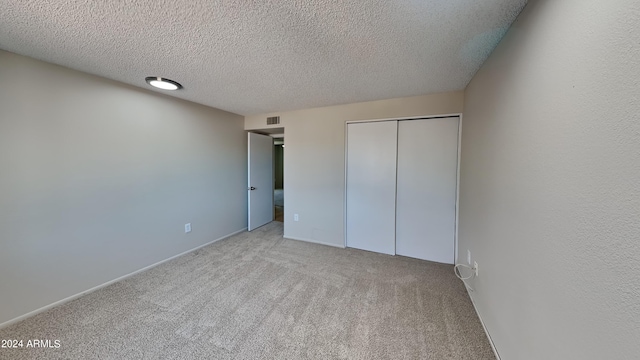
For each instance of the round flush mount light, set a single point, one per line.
(162, 83)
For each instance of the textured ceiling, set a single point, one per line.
(250, 56)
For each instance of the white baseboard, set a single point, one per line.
(486, 331)
(313, 241)
(73, 297)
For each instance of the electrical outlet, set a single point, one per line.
(469, 257)
(187, 228)
(475, 268)
(296, 217)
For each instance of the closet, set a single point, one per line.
(401, 186)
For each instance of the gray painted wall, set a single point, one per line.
(97, 180)
(550, 183)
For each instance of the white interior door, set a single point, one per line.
(260, 185)
(427, 180)
(371, 186)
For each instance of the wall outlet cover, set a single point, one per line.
(187, 228)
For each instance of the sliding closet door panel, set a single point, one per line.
(427, 178)
(371, 186)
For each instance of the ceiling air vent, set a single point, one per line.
(273, 120)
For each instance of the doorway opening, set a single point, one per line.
(278, 182)
(266, 177)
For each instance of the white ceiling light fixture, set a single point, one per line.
(162, 83)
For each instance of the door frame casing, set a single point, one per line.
(457, 205)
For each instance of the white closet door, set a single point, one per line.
(371, 186)
(427, 178)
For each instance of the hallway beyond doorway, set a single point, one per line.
(278, 202)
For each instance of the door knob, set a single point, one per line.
(252, 188)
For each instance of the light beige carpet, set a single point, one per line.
(259, 296)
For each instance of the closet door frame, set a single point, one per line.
(346, 140)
